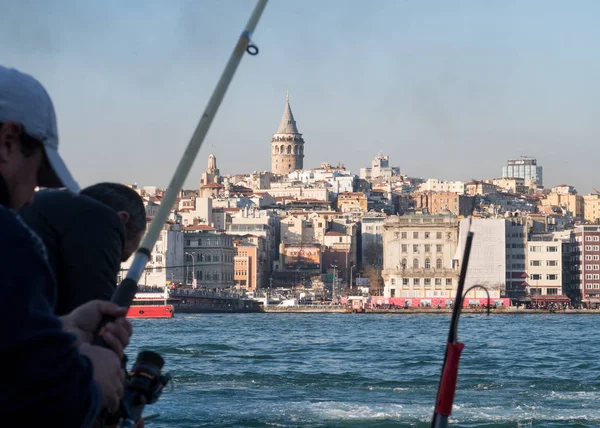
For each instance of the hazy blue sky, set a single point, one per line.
(447, 89)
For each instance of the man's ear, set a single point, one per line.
(10, 135)
(124, 216)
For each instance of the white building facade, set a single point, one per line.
(418, 256)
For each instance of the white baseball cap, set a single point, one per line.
(25, 101)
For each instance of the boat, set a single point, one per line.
(151, 302)
(196, 301)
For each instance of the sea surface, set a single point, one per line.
(372, 370)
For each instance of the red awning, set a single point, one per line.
(524, 284)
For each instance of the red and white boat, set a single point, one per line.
(151, 303)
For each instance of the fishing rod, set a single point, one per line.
(128, 287)
(149, 364)
(447, 387)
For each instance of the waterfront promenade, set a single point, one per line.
(311, 309)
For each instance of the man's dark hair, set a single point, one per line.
(120, 198)
(29, 145)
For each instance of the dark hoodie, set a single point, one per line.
(85, 269)
(45, 379)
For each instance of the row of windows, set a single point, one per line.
(592, 238)
(241, 272)
(549, 277)
(416, 235)
(518, 266)
(541, 263)
(426, 281)
(214, 276)
(592, 267)
(594, 257)
(200, 257)
(539, 249)
(594, 286)
(439, 264)
(549, 291)
(592, 276)
(210, 242)
(515, 235)
(427, 247)
(515, 245)
(592, 248)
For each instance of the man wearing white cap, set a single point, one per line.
(55, 375)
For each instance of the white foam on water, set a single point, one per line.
(333, 410)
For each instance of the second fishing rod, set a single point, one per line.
(145, 381)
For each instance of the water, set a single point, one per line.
(362, 370)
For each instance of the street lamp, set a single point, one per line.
(193, 268)
(333, 284)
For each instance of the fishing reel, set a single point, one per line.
(143, 385)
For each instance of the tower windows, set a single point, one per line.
(289, 149)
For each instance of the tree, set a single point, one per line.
(373, 255)
(373, 273)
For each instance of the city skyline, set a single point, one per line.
(449, 91)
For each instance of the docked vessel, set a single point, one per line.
(151, 302)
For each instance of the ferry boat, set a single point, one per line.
(151, 302)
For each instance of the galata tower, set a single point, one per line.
(287, 144)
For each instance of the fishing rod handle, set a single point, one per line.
(123, 296)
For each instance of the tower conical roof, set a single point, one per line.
(287, 125)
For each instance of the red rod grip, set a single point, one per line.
(449, 376)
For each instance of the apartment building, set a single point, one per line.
(417, 256)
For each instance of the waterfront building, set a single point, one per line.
(250, 262)
(209, 257)
(489, 253)
(545, 268)
(372, 239)
(166, 259)
(418, 253)
(585, 268)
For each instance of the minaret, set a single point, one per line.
(287, 144)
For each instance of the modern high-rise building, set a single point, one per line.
(524, 167)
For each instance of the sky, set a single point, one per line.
(449, 90)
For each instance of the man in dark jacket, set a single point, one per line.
(54, 374)
(87, 236)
